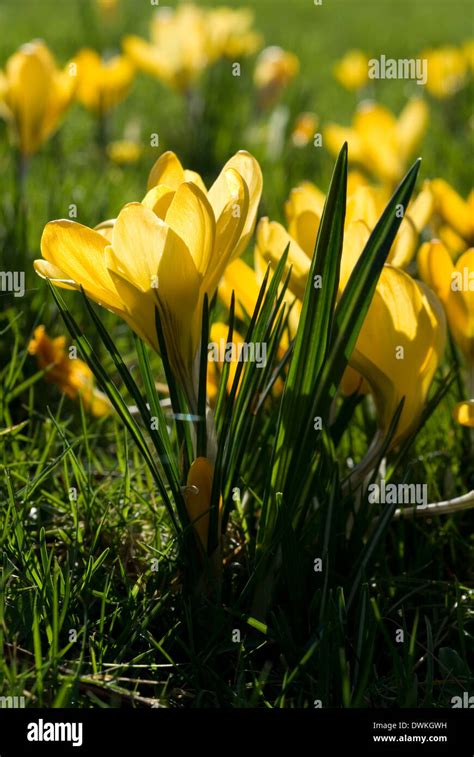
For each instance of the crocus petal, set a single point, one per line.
(452, 208)
(138, 239)
(167, 170)
(230, 223)
(411, 126)
(248, 168)
(158, 199)
(190, 215)
(334, 137)
(272, 241)
(436, 267)
(355, 238)
(79, 252)
(399, 347)
(54, 274)
(376, 127)
(239, 278)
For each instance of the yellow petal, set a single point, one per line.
(240, 278)
(362, 206)
(158, 199)
(459, 304)
(191, 217)
(453, 209)
(376, 128)
(79, 252)
(272, 241)
(303, 210)
(229, 227)
(463, 413)
(334, 137)
(167, 170)
(435, 267)
(399, 347)
(248, 168)
(355, 238)
(411, 126)
(138, 239)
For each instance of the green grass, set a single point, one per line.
(94, 609)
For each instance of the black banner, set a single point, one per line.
(94, 732)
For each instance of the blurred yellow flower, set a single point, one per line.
(71, 375)
(102, 84)
(34, 95)
(352, 71)
(177, 53)
(463, 413)
(275, 68)
(186, 40)
(230, 33)
(168, 251)
(124, 151)
(378, 141)
(304, 129)
(447, 70)
(365, 203)
(197, 497)
(454, 285)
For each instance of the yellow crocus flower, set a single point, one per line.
(124, 151)
(71, 375)
(454, 285)
(275, 68)
(403, 334)
(186, 40)
(168, 251)
(178, 51)
(400, 347)
(447, 69)
(364, 203)
(34, 95)
(102, 84)
(378, 141)
(230, 34)
(352, 71)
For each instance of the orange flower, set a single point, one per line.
(71, 375)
